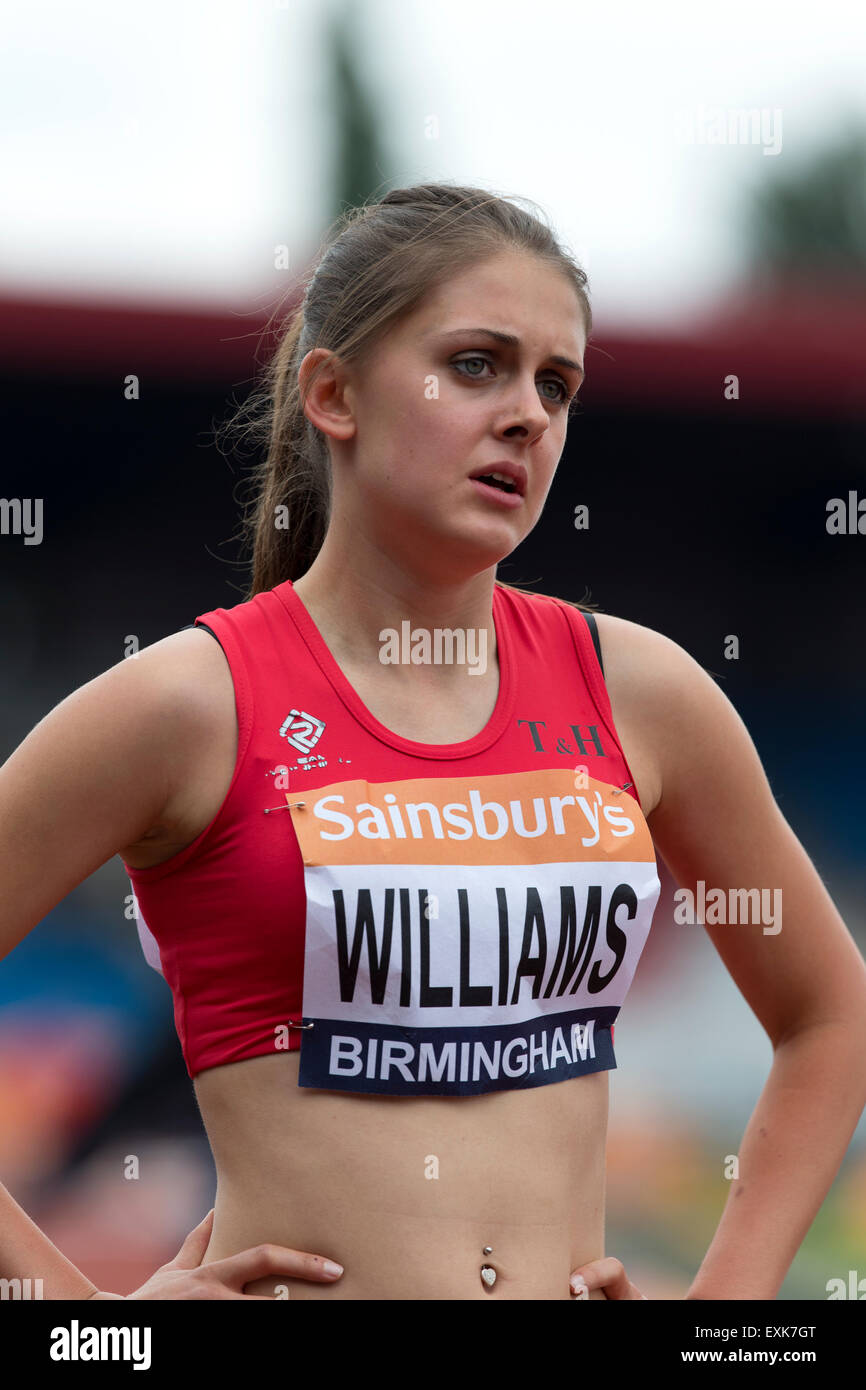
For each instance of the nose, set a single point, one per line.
(525, 410)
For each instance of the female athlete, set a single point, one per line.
(398, 895)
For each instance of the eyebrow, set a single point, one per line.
(511, 341)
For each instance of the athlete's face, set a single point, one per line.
(439, 399)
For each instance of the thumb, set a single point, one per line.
(190, 1254)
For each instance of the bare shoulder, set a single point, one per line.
(644, 666)
(650, 680)
(191, 673)
(140, 753)
(198, 738)
(648, 659)
(677, 710)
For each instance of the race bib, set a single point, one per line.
(468, 934)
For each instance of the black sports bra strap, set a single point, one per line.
(593, 628)
(204, 628)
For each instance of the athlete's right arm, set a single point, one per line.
(101, 770)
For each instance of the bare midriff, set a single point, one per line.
(406, 1192)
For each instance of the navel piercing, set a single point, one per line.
(488, 1274)
(488, 1250)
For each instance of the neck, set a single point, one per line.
(354, 605)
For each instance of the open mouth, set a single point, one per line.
(504, 484)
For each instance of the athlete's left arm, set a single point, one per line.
(717, 821)
(804, 978)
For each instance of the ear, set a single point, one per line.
(323, 381)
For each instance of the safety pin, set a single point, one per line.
(285, 807)
(615, 791)
(292, 1024)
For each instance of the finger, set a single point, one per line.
(259, 1297)
(262, 1260)
(607, 1274)
(192, 1251)
(230, 1293)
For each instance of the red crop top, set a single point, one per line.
(417, 918)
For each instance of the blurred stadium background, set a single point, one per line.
(166, 185)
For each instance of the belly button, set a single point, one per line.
(488, 1273)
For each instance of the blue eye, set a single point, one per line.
(462, 361)
(562, 399)
(555, 381)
